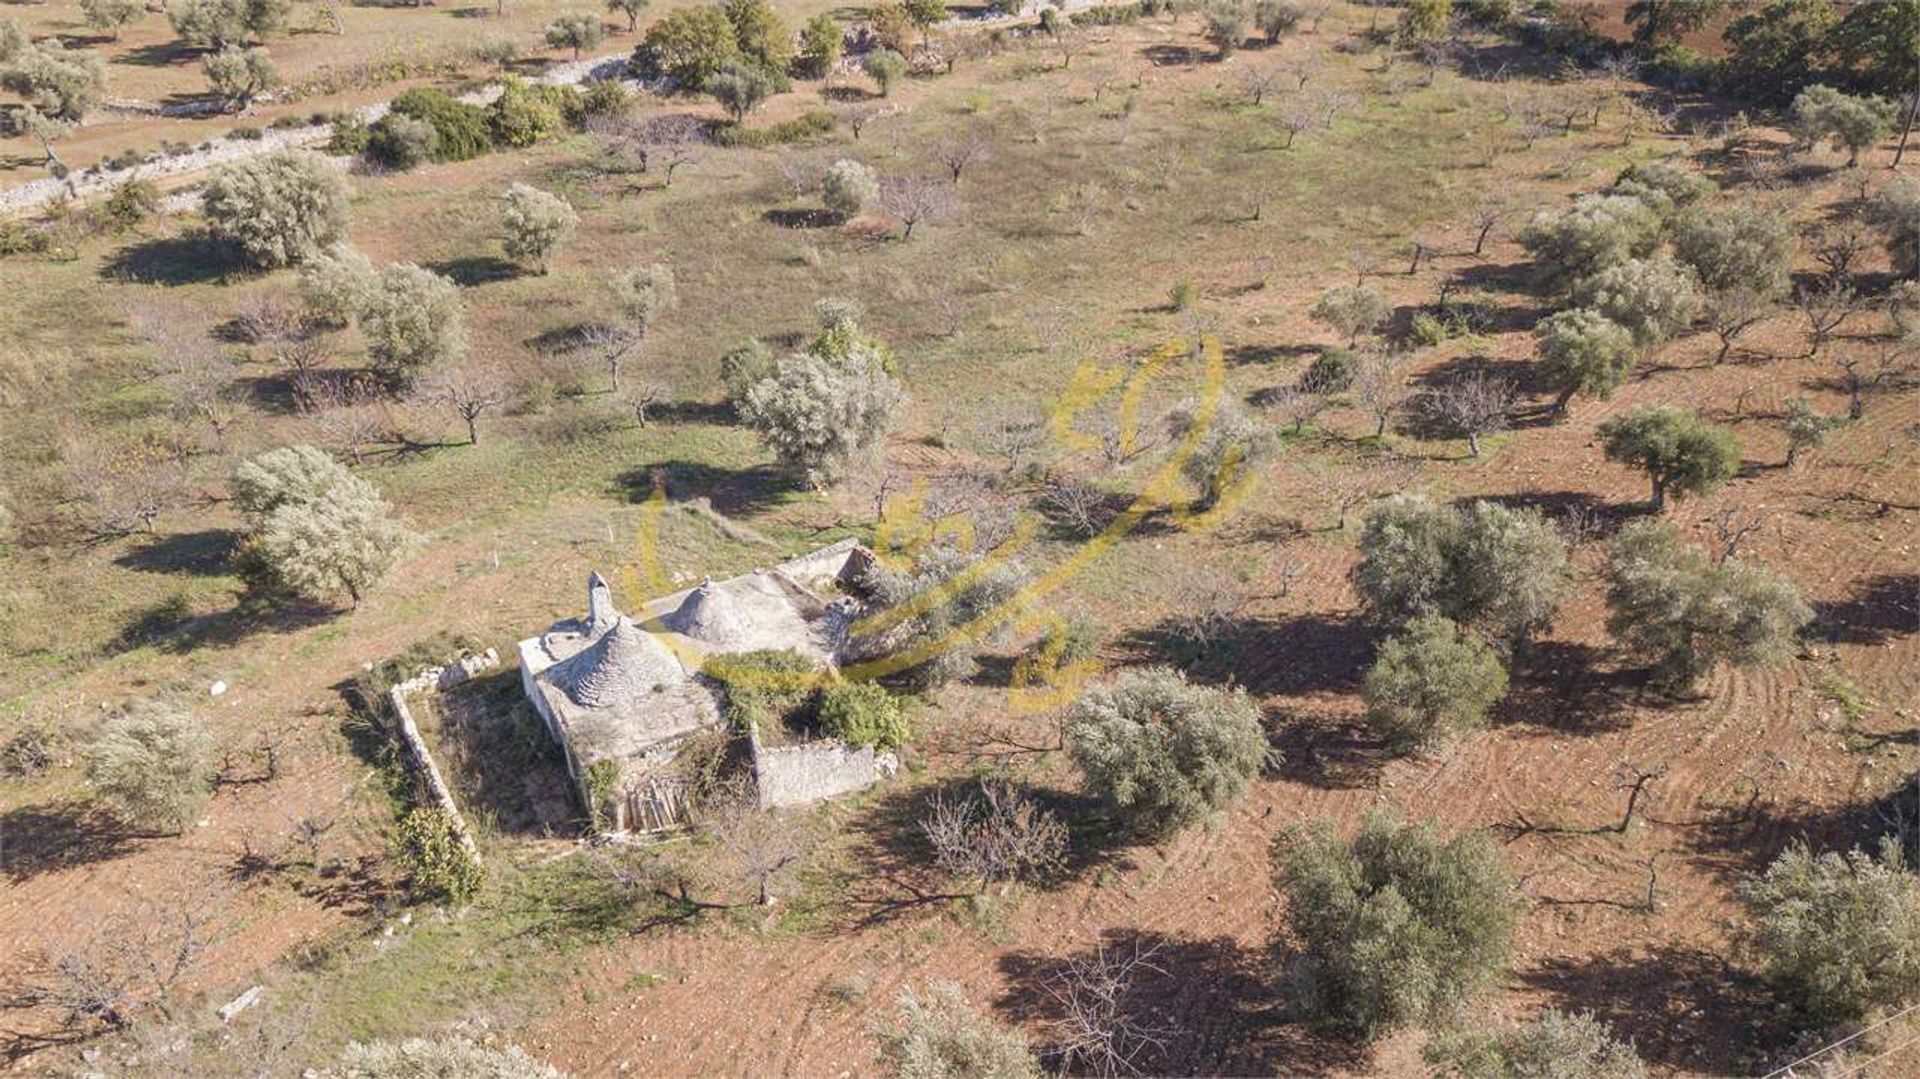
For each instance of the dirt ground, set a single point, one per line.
(1761, 758)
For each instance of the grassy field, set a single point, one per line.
(1110, 181)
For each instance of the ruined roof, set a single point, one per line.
(625, 663)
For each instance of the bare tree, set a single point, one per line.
(1070, 41)
(470, 391)
(759, 848)
(857, 117)
(1100, 1029)
(1295, 116)
(1258, 80)
(915, 198)
(1205, 607)
(644, 143)
(1474, 405)
(349, 416)
(134, 966)
(1303, 68)
(1014, 435)
(124, 489)
(959, 151)
(800, 175)
(1300, 403)
(1838, 248)
(1380, 387)
(1486, 214)
(608, 347)
(997, 834)
(269, 319)
(640, 397)
(1826, 306)
(1863, 374)
(1730, 529)
(1079, 505)
(1731, 313)
(1350, 485)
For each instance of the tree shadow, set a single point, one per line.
(1876, 611)
(1512, 277)
(1327, 753)
(1311, 653)
(1209, 1001)
(472, 270)
(1265, 354)
(1603, 517)
(734, 492)
(1685, 1008)
(1736, 840)
(800, 218)
(198, 554)
(160, 54)
(191, 258)
(715, 413)
(358, 890)
(1174, 55)
(1557, 688)
(68, 835)
(167, 626)
(848, 93)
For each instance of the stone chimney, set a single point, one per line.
(601, 612)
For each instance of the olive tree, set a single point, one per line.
(821, 416)
(940, 603)
(413, 322)
(153, 763)
(1394, 926)
(631, 9)
(1805, 428)
(278, 209)
(1596, 232)
(1552, 1045)
(111, 15)
(847, 187)
(741, 87)
(575, 30)
(344, 541)
(938, 1035)
(1163, 753)
(237, 75)
(1681, 453)
(59, 83)
(1583, 352)
(338, 282)
(1223, 459)
(290, 475)
(1895, 210)
(1670, 607)
(1654, 298)
(1497, 569)
(1839, 933)
(1351, 310)
(885, 67)
(1737, 248)
(1431, 681)
(1855, 124)
(537, 223)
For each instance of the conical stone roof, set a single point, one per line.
(624, 665)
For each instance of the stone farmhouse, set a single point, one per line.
(622, 692)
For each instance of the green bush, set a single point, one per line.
(462, 128)
(1500, 570)
(153, 762)
(941, 1036)
(350, 134)
(437, 864)
(401, 142)
(766, 687)
(812, 124)
(1555, 1045)
(604, 97)
(864, 714)
(1394, 926)
(1332, 371)
(521, 115)
(132, 202)
(1431, 681)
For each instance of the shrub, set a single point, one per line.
(1393, 926)
(1672, 609)
(349, 136)
(575, 30)
(1498, 569)
(64, 84)
(1596, 232)
(345, 540)
(1226, 27)
(537, 224)
(1431, 681)
(995, 834)
(940, 1036)
(278, 209)
(1806, 428)
(1551, 1046)
(763, 37)
(1679, 187)
(885, 67)
(338, 283)
(1839, 933)
(413, 321)
(1681, 453)
(131, 203)
(401, 142)
(153, 762)
(1352, 310)
(1583, 352)
(521, 115)
(605, 97)
(939, 598)
(1332, 371)
(863, 714)
(1226, 455)
(1895, 211)
(1737, 248)
(237, 75)
(808, 125)
(462, 128)
(29, 753)
(450, 1058)
(689, 45)
(1162, 753)
(1852, 123)
(645, 293)
(847, 187)
(437, 864)
(743, 365)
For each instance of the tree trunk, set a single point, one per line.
(1473, 443)
(1855, 407)
(1906, 130)
(1380, 428)
(1480, 242)
(473, 430)
(1560, 402)
(1659, 499)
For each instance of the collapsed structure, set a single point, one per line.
(622, 693)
